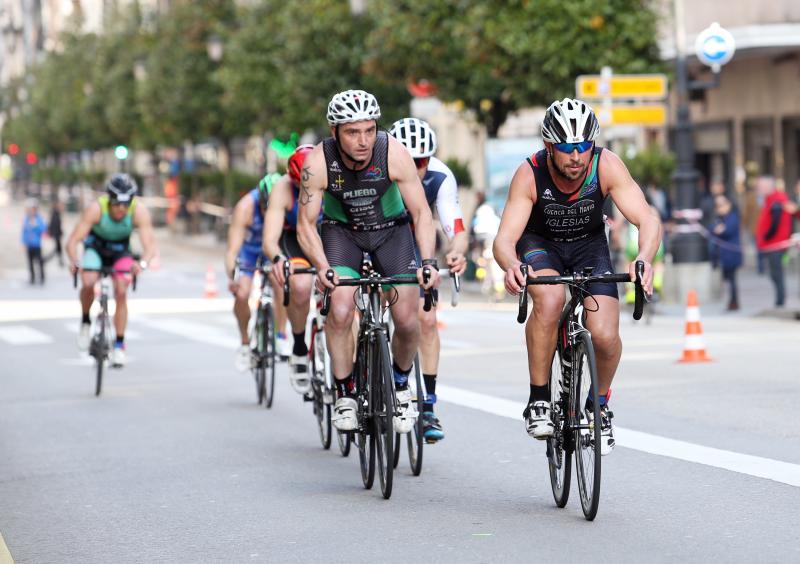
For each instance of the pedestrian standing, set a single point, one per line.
(33, 228)
(728, 245)
(773, 231)
(55, 231)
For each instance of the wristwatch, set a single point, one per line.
(431, 262)
(143, 264)
(276, 259)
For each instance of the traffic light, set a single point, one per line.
(31, 158)
(121, 152)
(13, 149)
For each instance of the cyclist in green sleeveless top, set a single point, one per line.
(105, 229)
(367, 180)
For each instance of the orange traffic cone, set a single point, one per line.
(694, 349)
(211, 283)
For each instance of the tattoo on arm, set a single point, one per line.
(305, 177)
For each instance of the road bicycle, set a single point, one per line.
(575, 404)
(262, 336)
(102, 341)
(374, 378)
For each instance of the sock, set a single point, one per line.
(119, 343)
(400, 377)
(300, 348)
(85, 319)
(345, 387)
(603, 399)
(430, 389)
(539, 393)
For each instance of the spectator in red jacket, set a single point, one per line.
(773, 231)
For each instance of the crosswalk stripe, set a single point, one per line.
(23, 335)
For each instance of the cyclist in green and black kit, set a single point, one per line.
(367, 180)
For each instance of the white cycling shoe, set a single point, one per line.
(607, 442)
(344, 414)
(242, 359)
(406, 412)
(283, 348)
(84, 336)
(299, 377)
(537, 420)
(118, 357)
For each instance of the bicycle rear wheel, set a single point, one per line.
(319, 368)
(268, 358)
(364, 436)
(587, 433)
(344, 439)
(258, 367)
(416, 438)
(559, 455)
(382, 408)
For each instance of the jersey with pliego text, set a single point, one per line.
(363, 198)
(441, 191)
(561, 217)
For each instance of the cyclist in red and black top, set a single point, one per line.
(553, 221)
(280, 244)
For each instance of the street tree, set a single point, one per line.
(497, 56)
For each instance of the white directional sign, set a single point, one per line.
(715, 46)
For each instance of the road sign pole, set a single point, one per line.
(687, 246)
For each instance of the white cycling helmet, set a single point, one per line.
(418, 137)
(351, 106)
(569, 121)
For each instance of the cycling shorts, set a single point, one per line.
(290, 247)
(93, 260)
(573, 256)
(248, 259)
(391, 250)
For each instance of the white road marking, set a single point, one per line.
(23, 335)
(209, 334)
(28, 310)
(130, 334)
(767, 468)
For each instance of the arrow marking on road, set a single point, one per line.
(767, 468)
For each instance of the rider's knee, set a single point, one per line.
(120, 294)
(606, 340)
(427, 322)
(301, 289)
(405, 323)
(340, 316)
(547, 305)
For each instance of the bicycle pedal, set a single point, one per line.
(283, 358)
(307, 398)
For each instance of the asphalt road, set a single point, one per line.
(175, 462)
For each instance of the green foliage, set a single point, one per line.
(498, 56)
(216, 186)
(461, 171)
(653, 166)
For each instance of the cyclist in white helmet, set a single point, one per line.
(441, 190)
(370, 186)
(553, 221)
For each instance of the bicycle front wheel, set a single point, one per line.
(382, 408)
(559, 455)
(586, 410)
(365, 435)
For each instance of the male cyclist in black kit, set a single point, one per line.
(553, 221)
(367, 180)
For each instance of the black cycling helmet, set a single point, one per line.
(121, 188)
